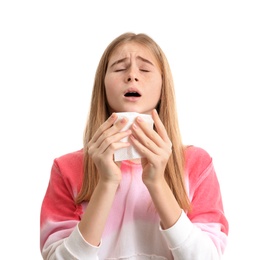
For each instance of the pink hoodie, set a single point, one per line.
(133, 228)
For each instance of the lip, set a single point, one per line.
(132, 99)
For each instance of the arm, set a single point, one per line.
(60, 215)
(95, 217)
(101, 149)
(203, 231)
(186, 239)
(66, 235)
(156, 150)
(60, 234)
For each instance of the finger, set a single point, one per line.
(161, 130)
(109, 152)
(99, 155)
(153, 135)
(146, 139)
(108, 144)
(113, 139)
(106, 125)
(114, 129)
(144, 151)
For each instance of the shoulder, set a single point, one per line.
(198, 169)
(195, 153)
(70, 165)
(71, 158)
(197, 160)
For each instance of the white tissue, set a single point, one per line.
(130, 152)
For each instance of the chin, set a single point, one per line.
(132, 109)
(129, 110)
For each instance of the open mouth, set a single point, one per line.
(132, 94)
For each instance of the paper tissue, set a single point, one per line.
(130, 152)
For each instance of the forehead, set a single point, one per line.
(131, 50)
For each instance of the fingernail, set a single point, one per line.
(140, 119)
(123, 120)
(134, 126)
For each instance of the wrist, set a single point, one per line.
(108, 184)
(155, 185)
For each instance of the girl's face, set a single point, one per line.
(133, 79)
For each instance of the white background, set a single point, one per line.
(222, 58)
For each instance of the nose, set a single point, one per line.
(132, 74)
(131, 78)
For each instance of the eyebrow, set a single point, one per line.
(124, 59)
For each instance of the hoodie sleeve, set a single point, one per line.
(59, 235)
(201, 233)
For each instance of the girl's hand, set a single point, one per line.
(154, 146)
(104, 143)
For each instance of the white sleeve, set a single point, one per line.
(186, 241)
(73, 247)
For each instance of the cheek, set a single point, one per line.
(109, 93)
(157, 87)
(109, 86)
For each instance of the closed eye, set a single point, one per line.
(119, 70)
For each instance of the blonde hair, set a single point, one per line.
(99, 112)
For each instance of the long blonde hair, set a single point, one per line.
(99, 112)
